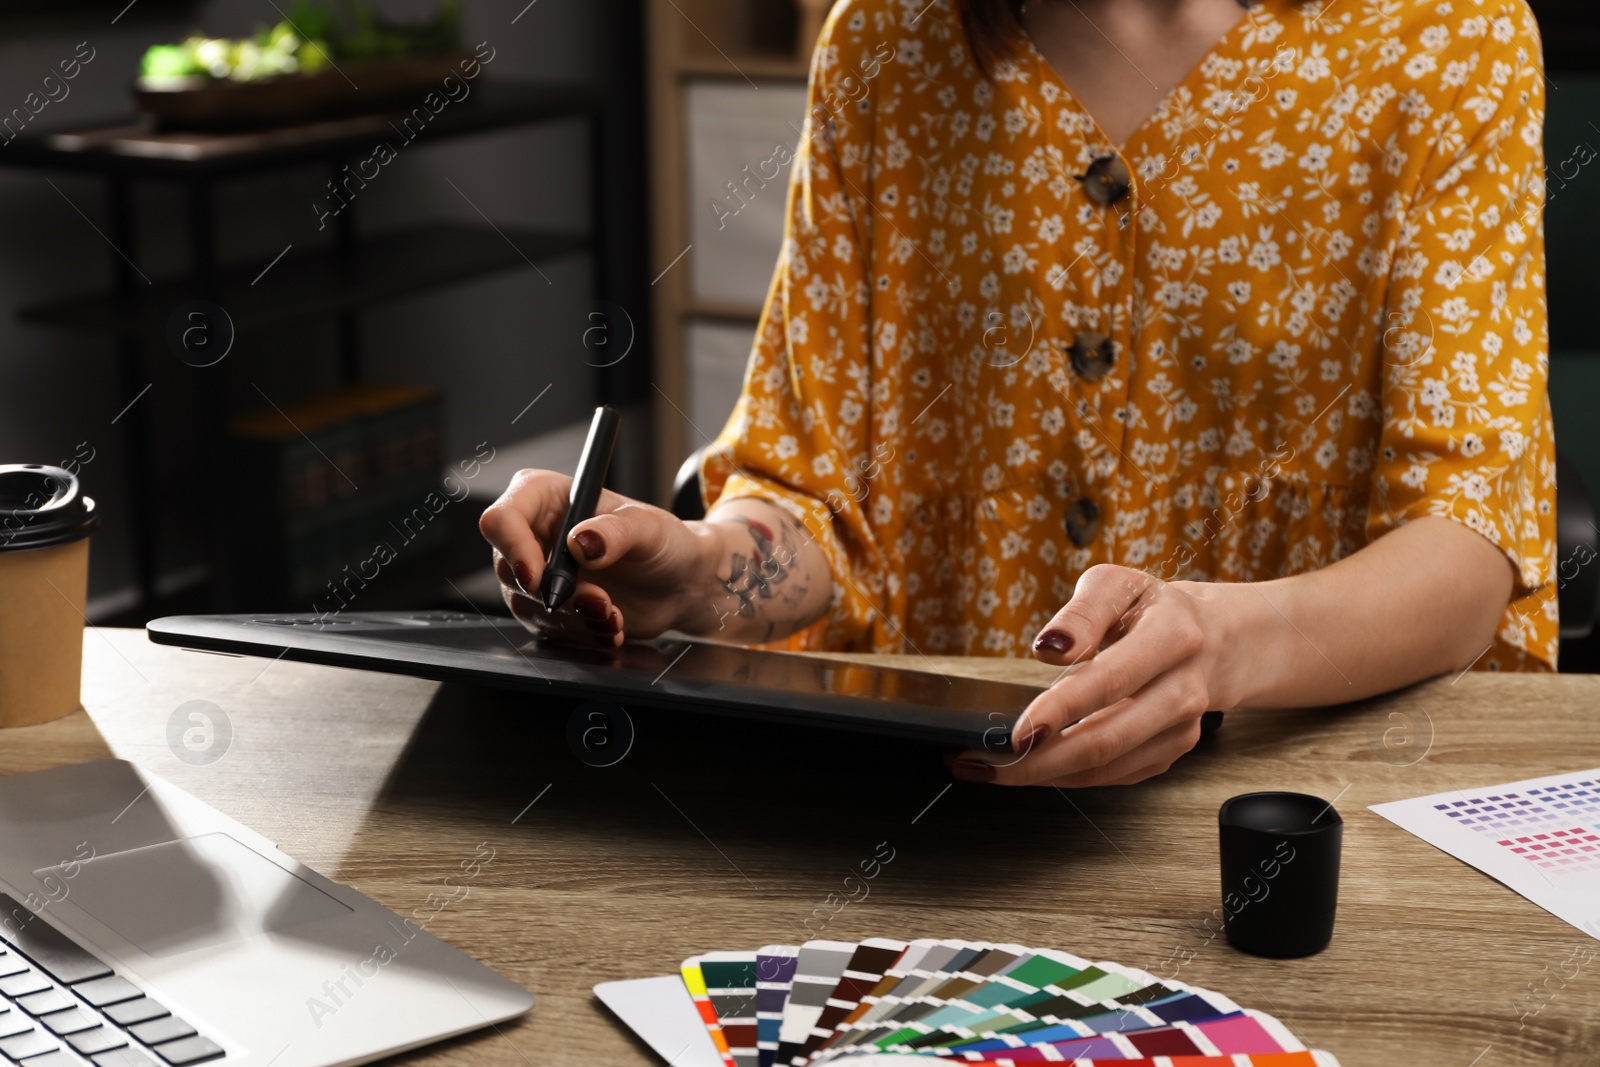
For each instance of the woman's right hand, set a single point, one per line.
(641, 569)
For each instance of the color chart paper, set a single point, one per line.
(883, 1001)
(1541, 837)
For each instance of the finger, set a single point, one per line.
(506, 571)
(1031, 741)
(590, 603)
(634, 529)
(601, 618)
(1103, 595)
(1162, 640)
(1164, 719)
(1124, 626)
(1100, 739)
(1151, 757)
(1130, 779)
(591, 611)
(528, 516)
(1155, 756)
(567, 627)
(522, 521)
(588, 600)
(528, 612)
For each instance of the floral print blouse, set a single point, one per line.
(1304, 303)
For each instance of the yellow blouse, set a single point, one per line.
(1303, 304)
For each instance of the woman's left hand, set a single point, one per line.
(1153, 659)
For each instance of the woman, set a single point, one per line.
(1205, 341)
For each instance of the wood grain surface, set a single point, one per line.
(621, 871)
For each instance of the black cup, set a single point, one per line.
(1280, 873)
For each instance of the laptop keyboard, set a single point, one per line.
(61, 1006)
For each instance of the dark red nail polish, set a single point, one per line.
(592, 607)
(1057, 641)
(606, 641)
(592, 544)
(1036, 736)
(972, 770)
(524, 578)
(611, 625)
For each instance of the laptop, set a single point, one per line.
(140, 927)
(917, 705)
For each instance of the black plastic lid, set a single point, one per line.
(40, 506)
(1278, 813)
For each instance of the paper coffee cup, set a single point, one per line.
(45, 524)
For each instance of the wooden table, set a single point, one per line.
(598, 873)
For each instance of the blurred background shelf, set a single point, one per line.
(754, 65)
(136, 148)
(325, 270)
(727, 85)
(711, 308)
(324, 281)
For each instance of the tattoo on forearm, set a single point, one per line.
(760, 582)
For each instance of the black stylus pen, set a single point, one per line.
(561, 570)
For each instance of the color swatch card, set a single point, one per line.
(1541, 837)
(723, 985)
(775, 966)
(880, 1001)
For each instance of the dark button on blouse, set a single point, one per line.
(1083, 521)
(1106, 181)
(1092, 355)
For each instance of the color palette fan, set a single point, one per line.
(861, 1003)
